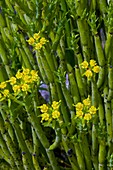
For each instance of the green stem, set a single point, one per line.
(95, 100)
(67, 26)
(102, 6)
(28, 52)
(4, 37)
(21, 13)
(5, 60)
(34, 121)
(108, 116)
(110, 83)
(43, 73)
(46, 67)
(7, 155)
(9, 126)
(71, 158)
(101, 111)
(11, 146)
(86, 151)
(36, 152)
(102, 155)
(73, 85)
(94, 147)
(57, 139)
(49, 58)
(2, 21)
(80, 83)
(26, 157)
(79, 156)
(67, 97)
(25, 59)
(23, 5)
(58, 35)
(108, 46)
(84, 30)
(3, 74)
(101, 60)
(63, 106)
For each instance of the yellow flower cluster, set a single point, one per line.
(84, 110)
(4, 92)
(90, 68)
(37, 41)
(22, 82)
(50, 112)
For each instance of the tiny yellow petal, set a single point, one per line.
(84, 64)
(92, 63)
(25, 71)
(16, 88)
(5, 92)
(19, 75)
(36, 36)
(25, 87)
(92, 110)
(55, 105)
(87, 116)
(3, 85)
(38, 46)
(79, 106)
(31, 41)
(87, 102)
(43, 40)
(44, 108)
(45, 116)
(88, 73)
(96, 69)
(55, 114)
(79, 114)
(34, 75)
(12, 80)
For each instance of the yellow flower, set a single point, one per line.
(55, 114)
(3, 85)
(96, 69)
(26, 78)
(25, 87)
(87, 116)
(79, 114)
(25, 71)
(92, 63)
(38, 46)
(88, 73)
(92, 110)
(79, 106)
(5, 92)
(33, 72)
(16, 88)
(87, 102)
(19, 75)
(43, 40)
(44, 108)
(84, 64)
(12, 80)
(45, 116)
(31, 41)
(34, 75)
(36, 36)
(55, 105)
